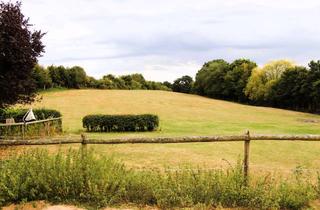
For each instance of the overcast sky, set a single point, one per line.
(165, 39)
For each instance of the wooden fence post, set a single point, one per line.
(83, 141)
(246, 158)
(84, 156)
(83, 146)
(23, 130)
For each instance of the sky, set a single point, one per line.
(166, 39)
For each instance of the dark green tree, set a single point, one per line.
(77, 77)
(236, 79)
(292, 90)
(183, 84)
(314, 81)
(19, 49)
(210, 79)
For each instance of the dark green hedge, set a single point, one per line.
(120, 123)
(17, 114)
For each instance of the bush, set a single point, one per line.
(17, 114)
(83, 177)
(120, 123)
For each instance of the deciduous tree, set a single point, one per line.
(260, 85)
(183, 84)
(19, 48)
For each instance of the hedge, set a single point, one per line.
(120, 123)
(17, 114)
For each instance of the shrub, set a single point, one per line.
(120, 123)
(83, 177)
(17, 114)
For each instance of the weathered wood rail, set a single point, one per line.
(246, 138)
(35, 128)
(162, 140)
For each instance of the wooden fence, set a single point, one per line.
(246, 138)
(35, 129)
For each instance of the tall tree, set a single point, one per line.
(236, 79)
(260, 85)
(77, 77)
(210, 79)
(183, 84)
(41, 77)
(293, 90)
(19, 49)
(314, 81)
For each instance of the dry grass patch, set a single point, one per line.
(180, 114)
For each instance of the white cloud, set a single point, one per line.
(170, 38)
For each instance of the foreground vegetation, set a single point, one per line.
(80, 176)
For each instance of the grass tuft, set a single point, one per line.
(80, 176)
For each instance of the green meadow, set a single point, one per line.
(191, 115)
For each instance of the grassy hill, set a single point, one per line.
(181, 115)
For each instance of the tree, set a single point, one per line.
(41, 77)
(107, 82)
(139, 79)
(152, 85)
(236, 79)
(183, 84)
(92, 82)
(293, 90)
(77, 77)
(55, 76)
(167, 84)
(210, 79)
(260, 85)
(19, 49)
(314, 82)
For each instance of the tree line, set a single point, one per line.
(76, 77)
(280, 83)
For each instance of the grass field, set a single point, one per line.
(183, 115)
(180, 114)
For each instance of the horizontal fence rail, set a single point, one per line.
(162, 140)
(29, 123)
(246, 138)
(26, 130)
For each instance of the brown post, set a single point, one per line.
(83, 143)
(246, 158)
(23, 131)
(83, 156)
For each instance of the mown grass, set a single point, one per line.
(81, 176)
(185, 115)
(180, 114)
